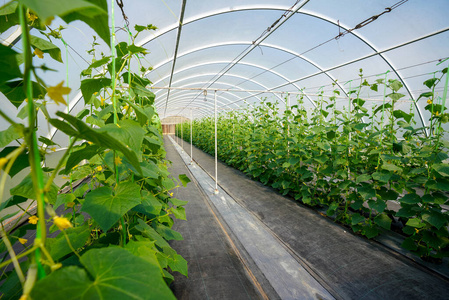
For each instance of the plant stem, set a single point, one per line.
(36, 170)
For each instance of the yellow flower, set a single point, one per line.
(417, 143)
(62, 223)
(31, 16)
(171, 194)
(99, 168)
(90, 143)
(33, 220)
(3, 162)
(23, 241)
(53, 149)
(118, 160)
(437, 113)
(416, 229)
(125, 107)
(56, 92)
(70, 204)
(102, 101)
(429, 101)
(38, 53)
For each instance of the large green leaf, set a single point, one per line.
(442, 169)
(78, 236)
(184, 179)
(149, 232)
(19, 164)
(435, 218)
(167, 233)
(87, 152)
(95, 16)
(25, 189)
(83, 131)
(110, 273)
(46, 47)
(383, 221)
(12, 133)
(106, 205)
(15, 92)
(367, 192)
(128, 132)
(93, 85)
(8, 16)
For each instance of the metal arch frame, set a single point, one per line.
(229, 75)
(243, 8)
(228, 84)
(244, 63)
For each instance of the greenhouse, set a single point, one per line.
(290, 149)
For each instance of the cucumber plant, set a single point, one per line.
(112, 233)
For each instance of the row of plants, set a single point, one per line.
(351, 162)
(112, 233)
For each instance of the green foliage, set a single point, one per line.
(350, 163)
(112, 230)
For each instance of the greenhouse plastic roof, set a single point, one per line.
(244, 50)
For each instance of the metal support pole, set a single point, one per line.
(191, 136)
(288, 125)
(216, 156)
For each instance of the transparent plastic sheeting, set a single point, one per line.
(408, 41)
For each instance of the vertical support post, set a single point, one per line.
(216, 152)
(288, 124)
(191, 136)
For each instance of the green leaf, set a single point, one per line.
(381, 107)
(425, 95)
(167, 233)
(144, 248)
(367, 192)
(378, 205)
(415, 222)
(91, 86)
(178, 264)
(9, 66)
(179, 213)
(184, 179)
(95, 136)
(430, 82)
(9, 17)
(177, 202)
(99, 63)
(402, 114)
(133, 49)
(12, 133)
(149, 232)
(150, 204)
(409, 244)
(58, 246)
(435, 218)
(95, 16)
(383, 221)
(357, 218)
(25, 189)
(387, 194)
(106, 206)
(383, 176)
(442, 169)
(363, 178)
(411, 198)
(63, 199)
(46, 47)
(15, 91)
(87, 152)
(129, 132)
(391, 167)
(110, 273)
(395, 85)
(47, 141)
